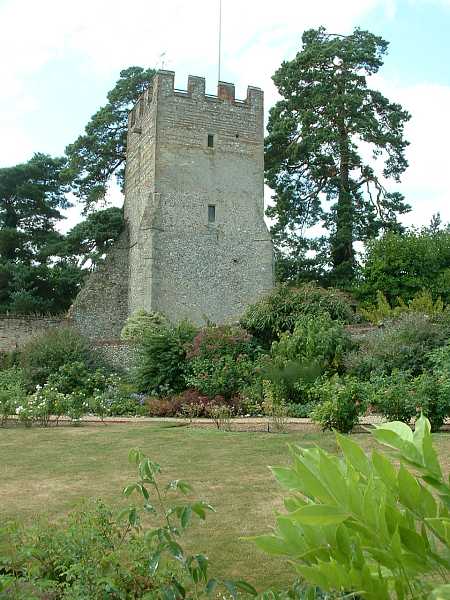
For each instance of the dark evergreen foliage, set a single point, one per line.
(318, 136)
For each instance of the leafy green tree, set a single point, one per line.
(31, 198)
(402, 265)
(100, 152)
(32, 277)
(32, 288)
(319, 135)
(90, 239)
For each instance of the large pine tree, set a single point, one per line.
(332, 144)
(99, 153)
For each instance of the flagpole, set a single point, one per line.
(220, 36)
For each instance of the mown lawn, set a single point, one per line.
(47, 471)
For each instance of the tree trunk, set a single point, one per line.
(342, 242)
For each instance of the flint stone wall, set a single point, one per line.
(15, 331)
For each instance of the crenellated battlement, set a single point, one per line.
(163, 86)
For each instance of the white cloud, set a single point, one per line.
(106, 35)
(425, 183)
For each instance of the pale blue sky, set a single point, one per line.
(60, 58)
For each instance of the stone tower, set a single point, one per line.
(196, 245)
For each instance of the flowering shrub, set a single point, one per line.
(77, 377)
(191, 403)
(99, 393)
(116, 401)
(224, 340)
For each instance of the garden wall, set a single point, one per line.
(15, 330)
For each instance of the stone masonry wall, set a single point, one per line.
(101, 308)
(16, 331)
(182, 264)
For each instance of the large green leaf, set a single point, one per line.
(271, 544)
(409, 489)
(385, 470)
(320, 514)
(354, 454)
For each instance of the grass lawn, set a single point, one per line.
(47, 471)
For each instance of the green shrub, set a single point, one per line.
(315, 339)
(139, 322)
(300, 411)
(403, 344)
(440, 360)
(216, 341)
(225, 376)
(400, 265)
(279, 311)
(433, 397)
(9, 359)
(118, 400)
(340, 402)
(382, 310)
(45, 354)
(12, 391)
(362, 526)
(394, 396)
(252, 397)
(97, 553)
(298, 359)
(40, 406)
(78, 377)
(162, 358)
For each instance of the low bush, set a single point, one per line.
(190, 403)
(300, 411)
(395, 396)
(422, 302)
(216, 341)
(315, 339)
(40, 406)
(119, 400)
(12, 391)
(139, 323)
(162, 359)
(46, 353)
(340, 402)
(279, 311)
(99, 553)
(274, 407)
(225, 376)
(433, 398)
(404, 344)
